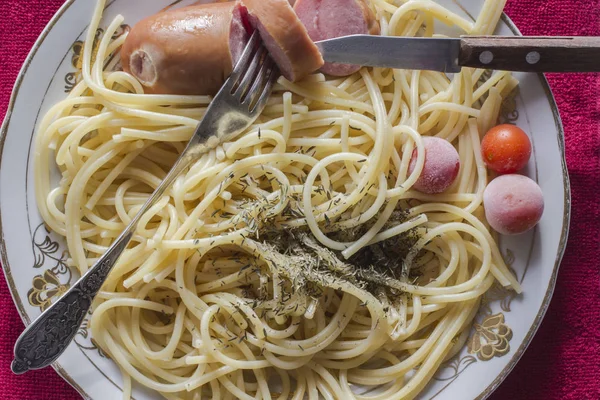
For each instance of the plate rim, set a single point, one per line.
(3, 133)
(562, 244)
(545, 301)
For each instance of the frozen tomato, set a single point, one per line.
(441, 166)
(513, 204)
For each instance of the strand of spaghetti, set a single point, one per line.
(481, 170)
(449, 107)
(432, 8)
(112, 176)
(74, 199)
(489, 17)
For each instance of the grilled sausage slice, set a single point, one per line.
(328, 19)
(285, 37)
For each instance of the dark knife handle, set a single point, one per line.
(531, 54)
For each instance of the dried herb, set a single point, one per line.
(311, 267)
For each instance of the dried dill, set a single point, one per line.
(312, 267)
(388, 256)
(307, 268)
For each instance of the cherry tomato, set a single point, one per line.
(505, 149)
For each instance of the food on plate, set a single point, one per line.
(188, 50)
(513, 204)
(192, 50)
(506, 148)
(298, 259)
(285, 37)
(334, 18)
(440, 167)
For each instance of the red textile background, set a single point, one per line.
(563, 362)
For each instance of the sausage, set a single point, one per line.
(192, 50)
(328, 19)
(285, 37)
(187, 51)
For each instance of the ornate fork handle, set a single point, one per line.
(45, 340)
(49, 335)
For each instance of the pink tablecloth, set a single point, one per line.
(563, 362)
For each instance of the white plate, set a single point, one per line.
(33, 259)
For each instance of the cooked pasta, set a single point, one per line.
(296, 260)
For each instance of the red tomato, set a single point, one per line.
(505, 149)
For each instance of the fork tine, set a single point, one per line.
(261, 76)
(241, 65)
(272, 76)
(250, 75)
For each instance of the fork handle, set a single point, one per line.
(49, 335)
(42, 342)
(531, 54)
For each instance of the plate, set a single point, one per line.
(34, 259)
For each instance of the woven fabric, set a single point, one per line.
(563, 361)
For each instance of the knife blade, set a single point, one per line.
(509, 53)
(436, 54)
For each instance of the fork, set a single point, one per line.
(235, 107)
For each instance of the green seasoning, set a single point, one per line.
(310, 267)
(387, 257)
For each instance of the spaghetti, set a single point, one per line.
(295, 260)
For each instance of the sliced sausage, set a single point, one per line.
(285, 37)
(328, 19)
(187, 51)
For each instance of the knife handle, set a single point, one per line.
(531, 54)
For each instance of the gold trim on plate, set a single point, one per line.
(3, 131)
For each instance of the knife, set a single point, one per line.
(519, 53)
